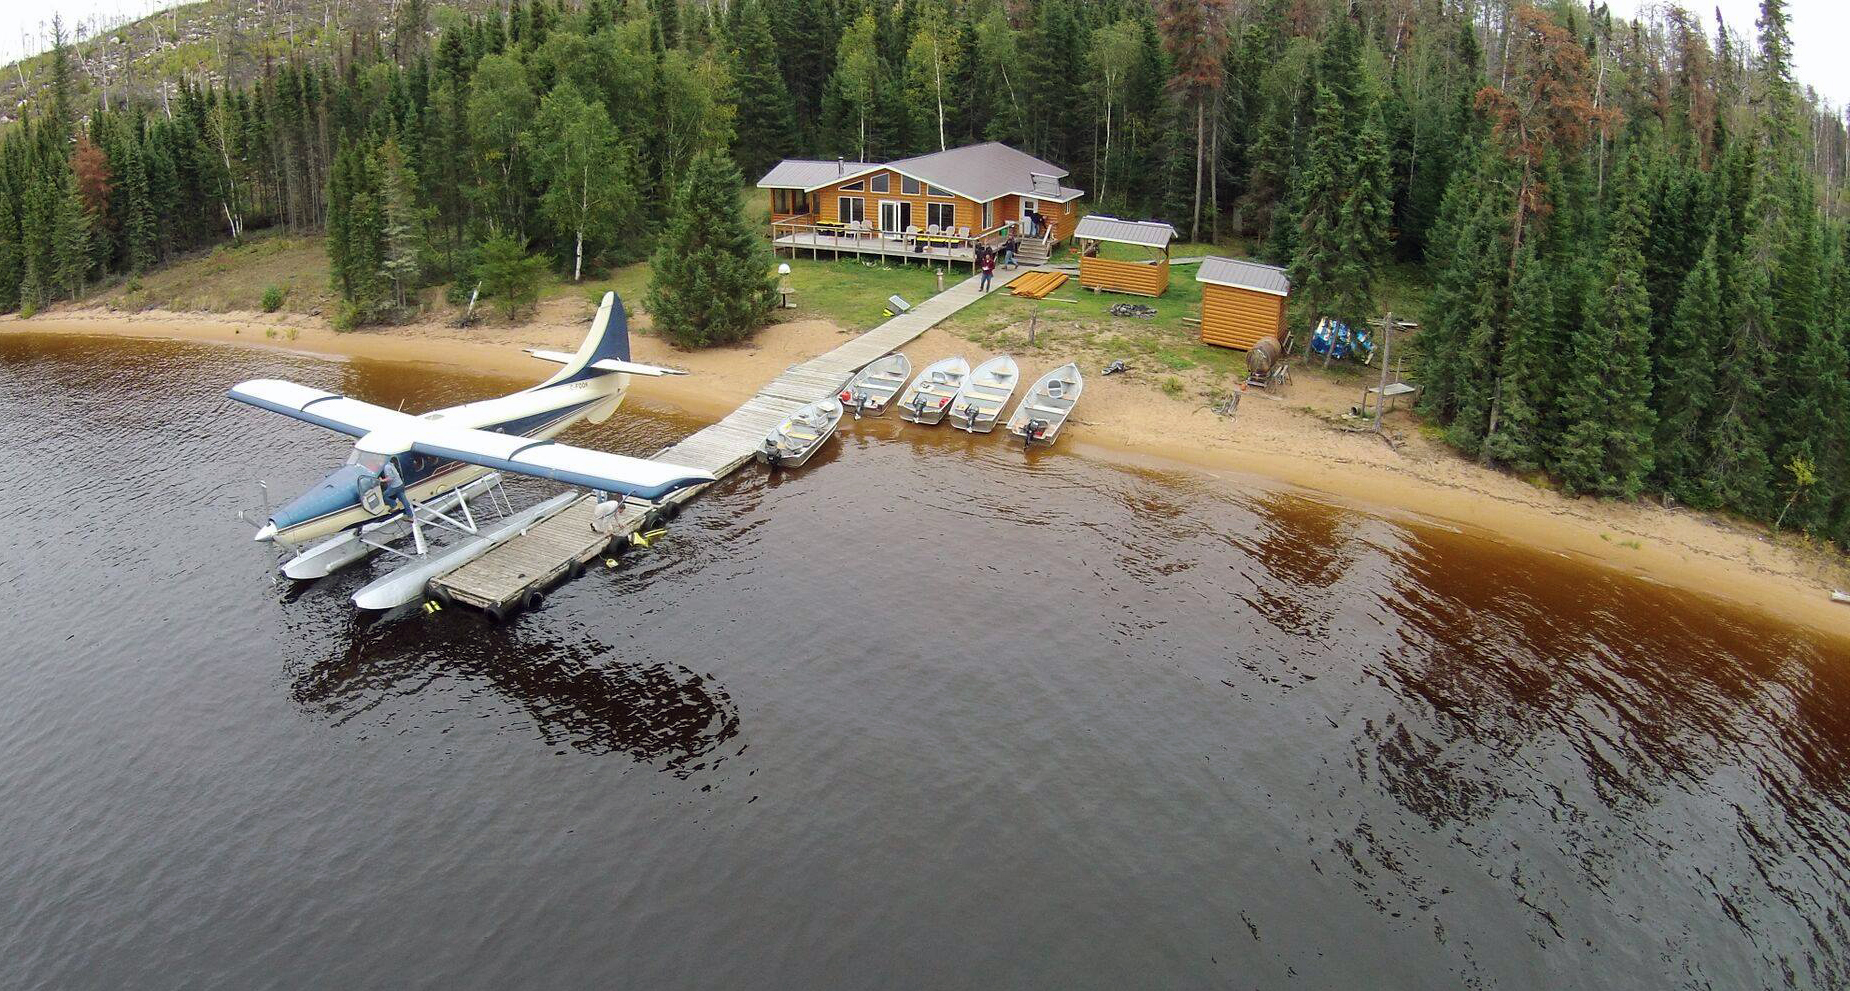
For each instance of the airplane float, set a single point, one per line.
(448, 456)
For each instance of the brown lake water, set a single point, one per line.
(925, 714)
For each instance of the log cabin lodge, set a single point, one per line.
(935, 207)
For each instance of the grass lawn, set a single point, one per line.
(853, 293)
(231, 277)
(1076, 323)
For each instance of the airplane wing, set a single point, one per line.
(319, 407)
(389, 432)
(639, 477)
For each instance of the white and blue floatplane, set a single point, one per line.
(408, 472)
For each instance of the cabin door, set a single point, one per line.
(895, 216)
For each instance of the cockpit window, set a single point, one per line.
(370, 462)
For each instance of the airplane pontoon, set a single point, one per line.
(410, 472)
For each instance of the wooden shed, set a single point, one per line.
(1241, 302)
(1145, 276)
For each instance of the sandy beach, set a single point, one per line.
(1295, 438)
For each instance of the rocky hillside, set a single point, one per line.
(210, 41)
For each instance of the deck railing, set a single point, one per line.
(809, 232)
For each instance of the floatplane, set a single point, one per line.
(445, 458)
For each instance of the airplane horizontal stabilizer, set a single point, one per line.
(605, 364)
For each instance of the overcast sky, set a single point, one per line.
(1819, 29)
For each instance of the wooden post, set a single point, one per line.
(1387, 348)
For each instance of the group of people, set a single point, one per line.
(986, 257)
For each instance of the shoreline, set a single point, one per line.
(1289, 441)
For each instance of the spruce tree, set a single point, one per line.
(765, 127)
(1343, 202)
(71, 224)
(1519, 437)
(1608, 422)
(402, 238)
(1686, 379)
(11, 262)
(711, 280)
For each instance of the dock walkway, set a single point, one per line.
(512, 574)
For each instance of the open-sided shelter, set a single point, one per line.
(1147, 276)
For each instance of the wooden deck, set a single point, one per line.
(882, 245)
(506, 578)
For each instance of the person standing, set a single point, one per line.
(988, 264)
(1009, 247)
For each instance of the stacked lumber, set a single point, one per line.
(1036, 285)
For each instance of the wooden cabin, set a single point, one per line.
(939, 205)
(1144, 276)
(1242, 302)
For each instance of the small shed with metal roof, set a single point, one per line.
(1143, 276)
(1242, 302)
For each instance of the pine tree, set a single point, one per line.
(508, 274)
(711, 281)
(1606, 444)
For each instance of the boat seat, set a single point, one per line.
(799, 435)
(1049, 411)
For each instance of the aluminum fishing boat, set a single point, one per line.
(793, 442)
(929, 397)
(1043, 411)
(986, 393)
(872, 389)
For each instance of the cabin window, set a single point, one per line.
(989, 216)
(943, 215)
(853, 187)
(908, 186)
(880, 183)
(851, 209)
(935, 191)
(780, 201)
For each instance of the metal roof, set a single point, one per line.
(1244, 275)
(799, 173)
(1148, 233)
(975, 172)
(984, 172)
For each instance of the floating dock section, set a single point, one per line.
(517, 573)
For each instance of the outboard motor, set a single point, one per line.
(1032, 432)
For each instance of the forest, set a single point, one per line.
(1634, 230)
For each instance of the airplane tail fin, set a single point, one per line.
(609, 338)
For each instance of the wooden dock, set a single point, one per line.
(513, 575)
